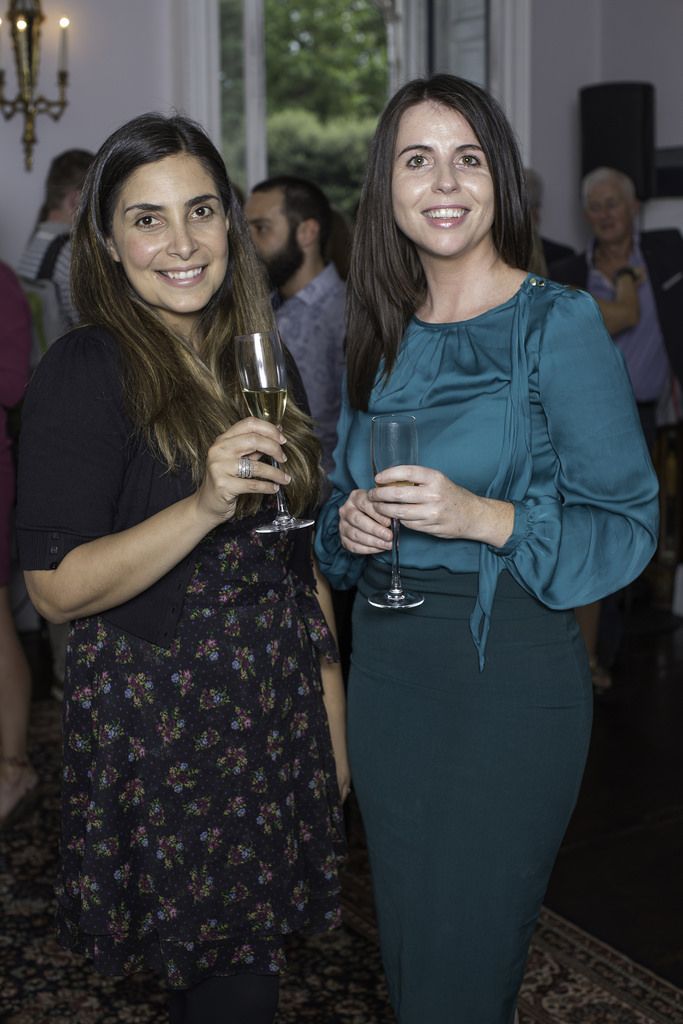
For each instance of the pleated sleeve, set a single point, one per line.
(595, 529)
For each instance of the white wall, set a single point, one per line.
(582, 43)
(121, 64)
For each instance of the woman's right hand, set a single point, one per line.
(250, 438)
(362, 529)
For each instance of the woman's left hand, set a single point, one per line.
(343, 778)
(440, 507)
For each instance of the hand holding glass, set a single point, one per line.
(263, 376)
(394, 443)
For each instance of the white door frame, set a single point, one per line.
(196, 52)
(510, 65)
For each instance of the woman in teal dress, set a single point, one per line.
(470, 716)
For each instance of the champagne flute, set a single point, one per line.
(394, 443)
(263, 377)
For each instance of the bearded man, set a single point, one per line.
(290, 221)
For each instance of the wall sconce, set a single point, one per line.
(25, 18)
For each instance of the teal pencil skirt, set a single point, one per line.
(466, 781)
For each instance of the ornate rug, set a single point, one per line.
(571, 977)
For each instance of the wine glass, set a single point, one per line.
(263, 376)
(394, 443)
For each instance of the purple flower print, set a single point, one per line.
(139, 837)
(198, 807)
(207, 739)
(171, 725)
(213, 838)
(139, 689)
(242, 720)
(243, 662)
(208, 649)
(136, 748)
(269, 817)
(183, 680)
(118, 923)
(200, 885)
(274, 744)
(157, 814)
(233, 762)
(170, 850)
(89, 892)
(262, 916)
(181, 777)
(236, 893)
(243, 955)
(212, 699)
(132, 794)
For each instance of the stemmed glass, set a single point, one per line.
(263, 377)
(394, 443)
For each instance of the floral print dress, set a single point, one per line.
(201, 818)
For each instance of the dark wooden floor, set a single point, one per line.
(620, 871)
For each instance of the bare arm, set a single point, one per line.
(623, 311)
(334, 696)
(111, 570)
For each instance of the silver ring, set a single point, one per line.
(244, 468)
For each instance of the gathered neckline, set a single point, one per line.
(473, 319)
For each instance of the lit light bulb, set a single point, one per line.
(64, 22)
(22, 24)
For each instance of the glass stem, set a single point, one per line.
(396, 587)
(283, 512)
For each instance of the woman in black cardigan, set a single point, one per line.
(204, 711)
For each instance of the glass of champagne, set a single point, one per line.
(263, 376)
(394, 443)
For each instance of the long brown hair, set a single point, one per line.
(386, 282)
(180, 401)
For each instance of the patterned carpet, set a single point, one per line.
(571, 978)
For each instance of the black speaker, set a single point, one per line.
(618, 130)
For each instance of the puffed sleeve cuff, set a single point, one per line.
(342, 568)
(520, 530)
(534, 517)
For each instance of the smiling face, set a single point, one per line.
(442, 190)
(170, 234)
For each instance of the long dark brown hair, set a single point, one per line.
(181, 402)
(386, 281)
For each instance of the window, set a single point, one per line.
(316, 72)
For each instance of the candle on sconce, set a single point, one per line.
(63, 48)
(24, 74)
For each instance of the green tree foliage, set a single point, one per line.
(326, 70)
(328, 57)
(333, 154)
(326, 82)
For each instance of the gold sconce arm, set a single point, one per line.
(25, 18)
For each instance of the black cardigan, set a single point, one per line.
(85, 472)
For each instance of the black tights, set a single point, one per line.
(237, 999)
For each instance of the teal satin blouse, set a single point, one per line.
(530, 403)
